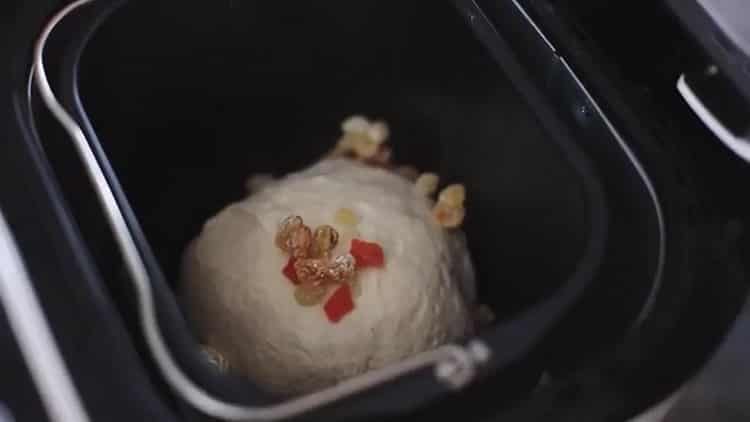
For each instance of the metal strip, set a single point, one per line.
(739, 146)
(34, 336)
(661, 255)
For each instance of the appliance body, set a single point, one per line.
(662, 234)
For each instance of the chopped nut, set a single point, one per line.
(342, 268)
(366, 148)
(453, 195)
(378, 132)
(358, 124)
(312, 271)
(427, 183)
(286, 227)
(346, 217)
(299, 241)
(449, 210)
(363, 138)
(310, 295)
(324, 240)
(289, 222)
(352, 139)
(448, 216)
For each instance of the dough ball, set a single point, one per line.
(244, 307)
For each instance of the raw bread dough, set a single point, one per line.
(244, 307)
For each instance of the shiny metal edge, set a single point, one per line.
(661, 254)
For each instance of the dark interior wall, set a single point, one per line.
(190, 98)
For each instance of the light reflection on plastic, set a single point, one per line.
(5, 415)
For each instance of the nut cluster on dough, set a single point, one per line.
(364, 140)
(312, 269)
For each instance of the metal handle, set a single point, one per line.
(738, 145)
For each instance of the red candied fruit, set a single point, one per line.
(367, 254)
(339, 304)
(289, 270)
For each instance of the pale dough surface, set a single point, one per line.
(244, 307)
